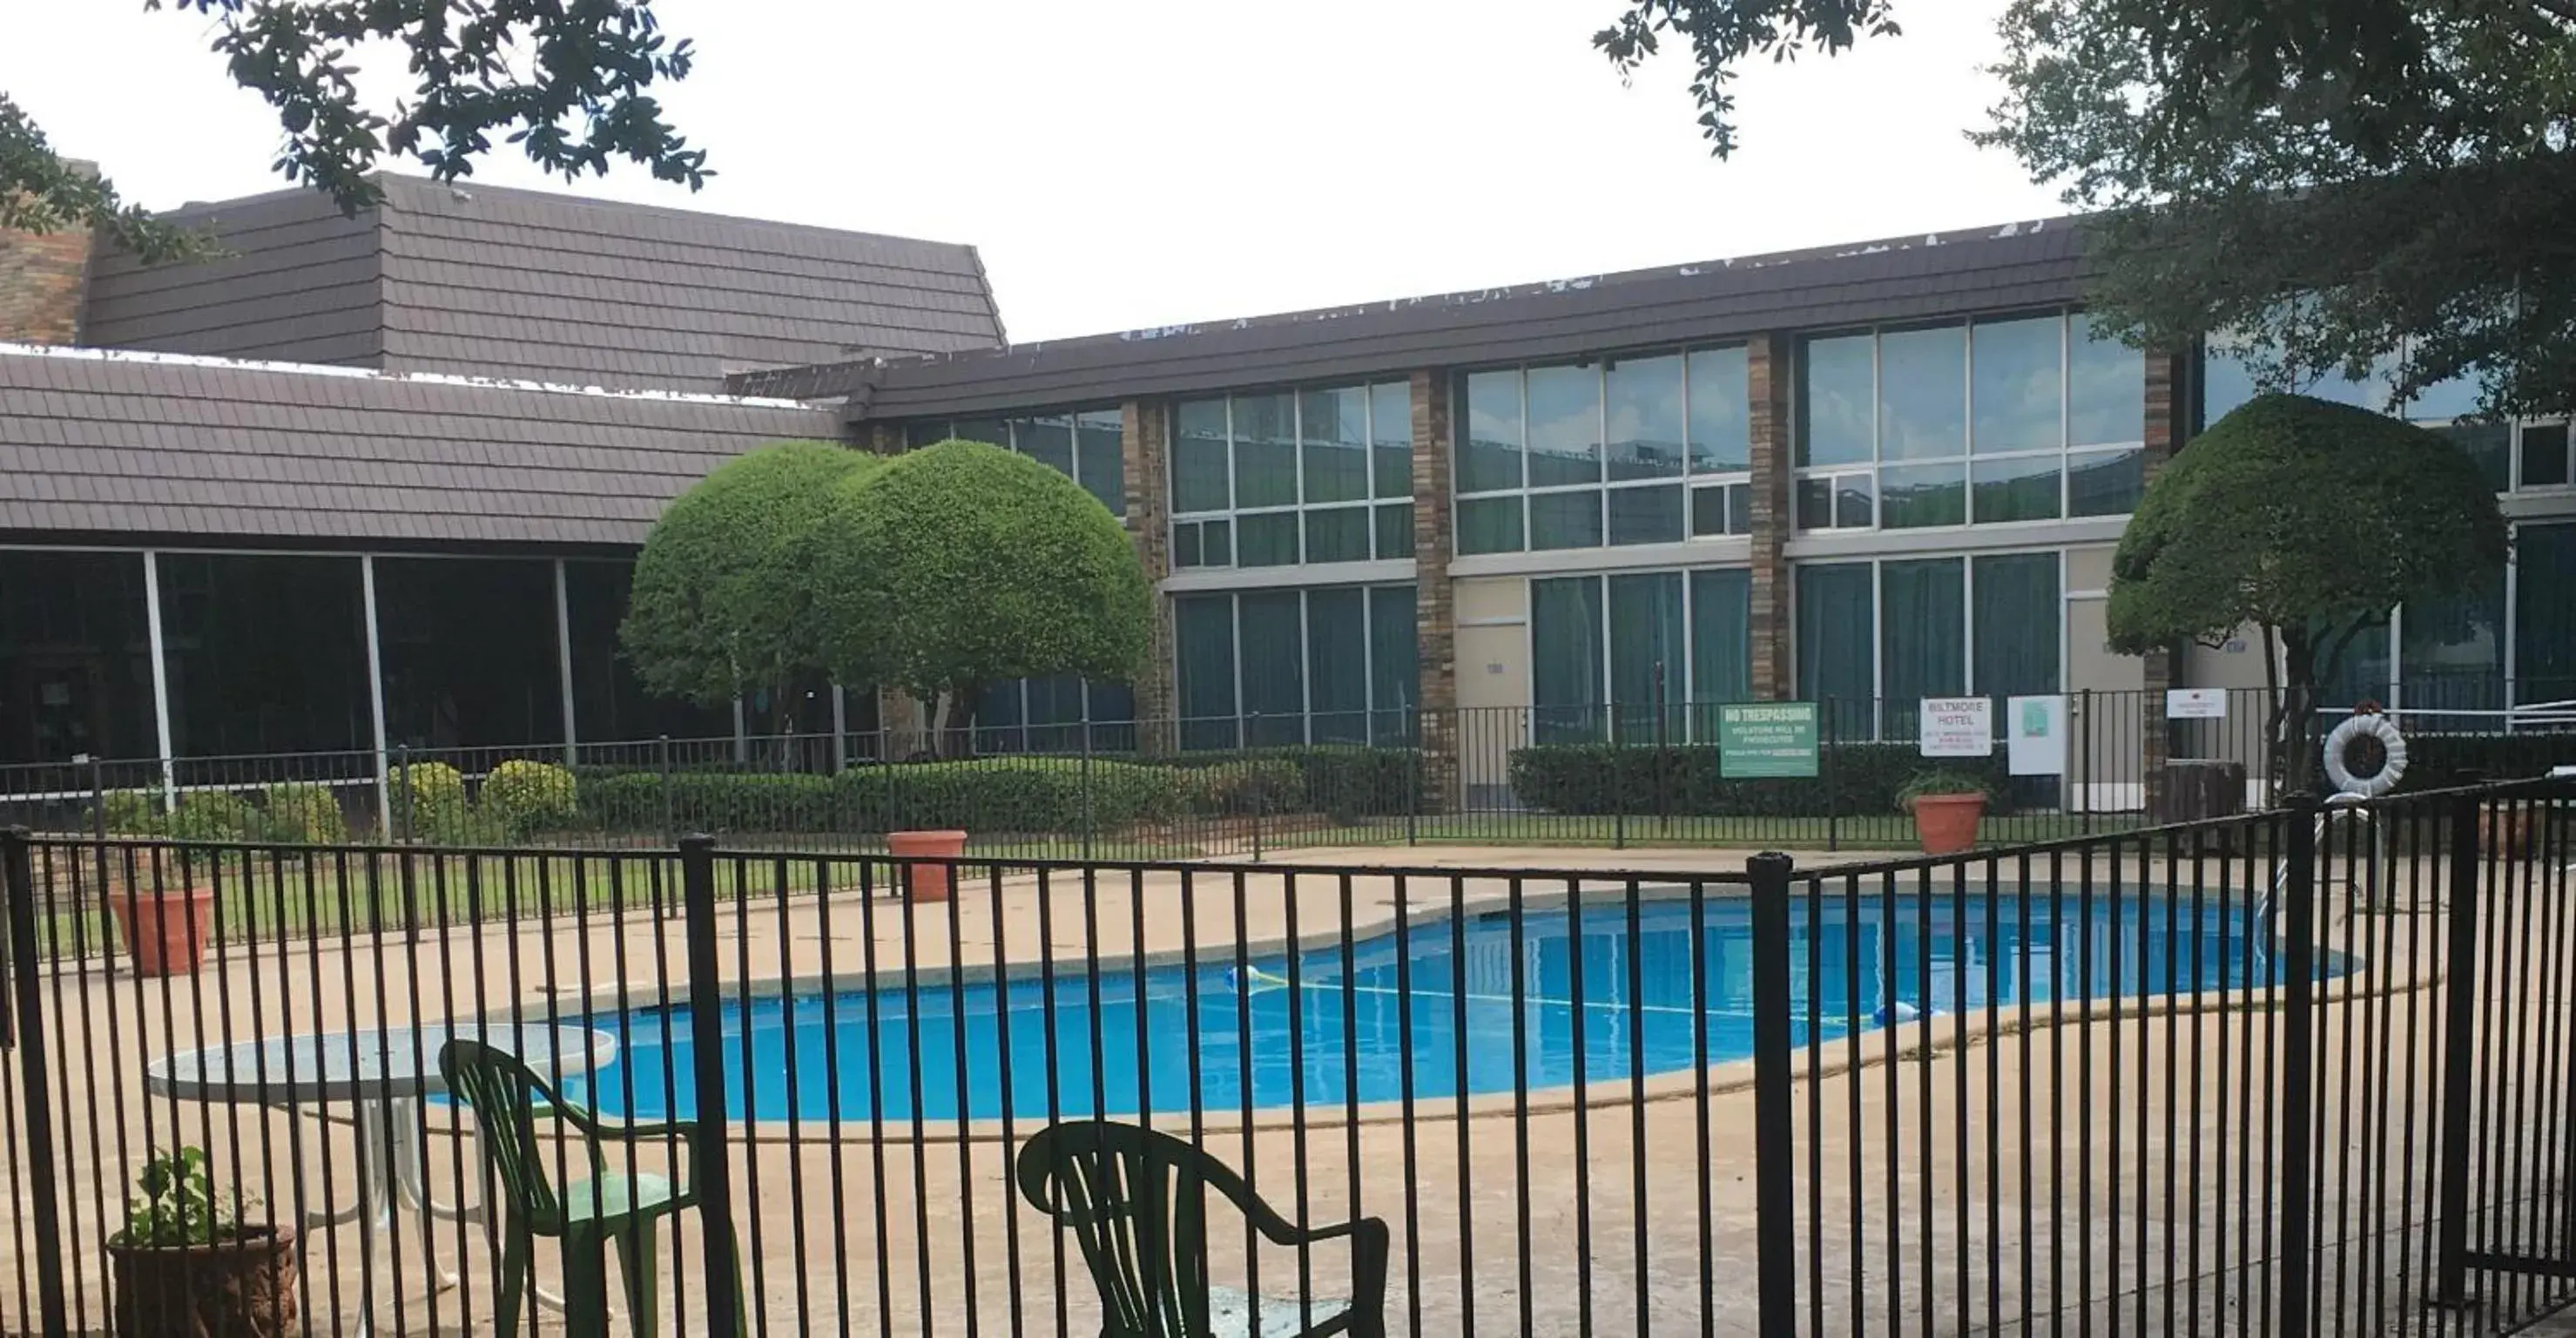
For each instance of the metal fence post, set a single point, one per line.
(27, 1032)
(2082, 791)
(402, 792)
(1833, 801)
(662, 785)
(1087, 810)
(2298, 1067)
(1775, 1189)
(97, 797)
(2459, 1068)
(710, 1151)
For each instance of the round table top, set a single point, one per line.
(374, 1064)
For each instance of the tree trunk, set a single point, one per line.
(2299, 664)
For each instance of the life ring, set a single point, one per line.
(2360, 725)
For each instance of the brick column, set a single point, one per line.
(43, 280)
(1145, 446)
(1435, 612)
(2168, 419)
(1767, 373)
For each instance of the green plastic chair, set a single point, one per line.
(1136, 1200)
(586, 1216)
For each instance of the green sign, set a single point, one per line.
(1766, 739)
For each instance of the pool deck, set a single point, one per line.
(1471, 1243)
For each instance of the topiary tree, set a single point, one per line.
(722, 604)
(526, 796)
(961, 564)
(2308, 521)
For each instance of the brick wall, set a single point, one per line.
(1145, 444)
(1767, 392)
(2168, 420)
(1435, 612)
(43, 278)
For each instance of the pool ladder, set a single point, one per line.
(2346, 808)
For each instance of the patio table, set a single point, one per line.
(385, 1073)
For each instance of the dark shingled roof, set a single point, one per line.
(2002, 268)
(484, 280)
(132, 445)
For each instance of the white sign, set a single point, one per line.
(1958, 727)
(2195, 703)
(2037, 742)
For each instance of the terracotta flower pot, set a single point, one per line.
(166, 932)
(238, 1288)
(924, 881)
(1947, 823)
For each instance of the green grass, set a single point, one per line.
(1858, 834)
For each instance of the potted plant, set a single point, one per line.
(166, 930)
(1946, 806)
(186, 1264)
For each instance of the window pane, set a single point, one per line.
(1216, 540)
(2544, 455)
(1489, 525)
(1049, 441)
(469, 652)
(2544, 644)
(1565, 519)
(2106, 393)
(2227, 375)
(2023, 488)
(1203, 654)
(1708, 511)
(2105, 483)
(1922, 633)
(1274, 667)
(608, 703)
(1853, 495)
(1055, 714)
(1914, 496)
(1815, 503)
(991, 431)
(1337, 534)
(1922, 393)
(1647, 666)
(1265, 450)
(2455, 398)
(1395, 530)
(1645, 411)
(1721, 641)
(1721, 428)
(1185, 544)
(1836, 401)
(1739, 508)
(1268, 540)
(1646, 515)
(1564, 425)
(1337, 670)
(76, 657)
(1332, 427)
(1492, 459)
(2018, 609)
(1565, 667)
(1836, 633)
(1199, 456)
(2490, 445)
(1391, 432)
(2017, 394)
(1394, 656)
(2452, 655)
(1101, 436)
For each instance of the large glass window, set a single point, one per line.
(1838, 643)
(1922, 619)
(2022, 419)
(1607, 651)
(269, 654)
(2451, 651)
(469, 651)
(2511, 454)
(1085, 445)
(2544, 617)
(1642, 449)
(75, 658)
(608, 703)
(1269, 668)
(1288, 477)
(1898, 631)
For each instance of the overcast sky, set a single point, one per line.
(1132, 163)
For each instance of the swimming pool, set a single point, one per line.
(1495, 1007)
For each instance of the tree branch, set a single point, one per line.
(2563, 9)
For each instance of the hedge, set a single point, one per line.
(1852, 778)
(1344, 780)
(1026, 794)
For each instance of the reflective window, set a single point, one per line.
(1270, 668)
(1632, 654)
(1874, 639)
(76, 659)
(268, 654)
(1644, 413)
(1922, 394)
(1323, 474)
(469, 652)
(1088, 447)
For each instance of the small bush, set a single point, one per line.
(1349, 781)
(1245, 785)
(215, 815)
(1940, 781)
(429, 798)
(132, 813)
(526, 797)
(302, 813)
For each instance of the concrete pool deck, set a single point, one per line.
(955, 1238)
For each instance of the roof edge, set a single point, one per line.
(71, 353)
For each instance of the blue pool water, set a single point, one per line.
(1318, 1029)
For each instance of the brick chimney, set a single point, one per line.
(43, 281)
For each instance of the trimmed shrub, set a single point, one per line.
(302, 813)
(1008, 795)
(132, 813)
(1246, 784)
(525, 797)
(430, 806)
(1345, 780)
(1852, 778)
(215, 815)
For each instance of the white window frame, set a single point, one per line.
(1232, 515)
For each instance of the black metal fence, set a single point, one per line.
(1580, 776)
(2286, 1073)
